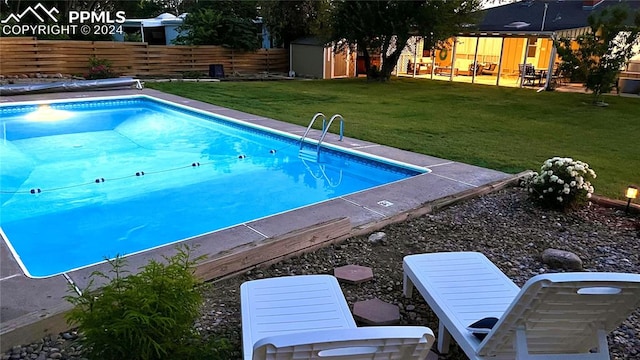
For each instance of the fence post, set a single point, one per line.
(233, 62)
(268, 61)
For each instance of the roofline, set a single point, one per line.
(509, 33)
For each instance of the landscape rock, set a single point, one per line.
(378, 238)
(561, 259)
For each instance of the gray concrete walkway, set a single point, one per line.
(32, 308)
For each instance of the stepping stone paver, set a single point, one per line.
(376, 312)
(354, 274)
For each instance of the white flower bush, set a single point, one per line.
(562, 183)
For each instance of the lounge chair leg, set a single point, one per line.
(407, 287)
(444, 339)
(603, 344)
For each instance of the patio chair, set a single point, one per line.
(557, 77)
(490, 69)
(529, 74)
(553, 317)
(307, 317)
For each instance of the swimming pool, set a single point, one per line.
(88, 179)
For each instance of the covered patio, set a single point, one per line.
(512, 46)
(505, 59)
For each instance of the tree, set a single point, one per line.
(139, 9)
(386, 26)
(225, 23)
(601, 54)
(289, 20)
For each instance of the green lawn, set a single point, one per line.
(507, 129)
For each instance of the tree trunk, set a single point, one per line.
(389, 62)
(367, 64)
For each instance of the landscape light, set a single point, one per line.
(632, 193)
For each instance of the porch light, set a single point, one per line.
(632, 193)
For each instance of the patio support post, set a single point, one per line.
(524, 61)
(552, 60)
(453, 58)
(433, 62)
(500, 62)
(432, 52)
(475, 61)
(415, 56)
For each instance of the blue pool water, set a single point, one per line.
(85, 180)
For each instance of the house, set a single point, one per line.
(510, 40)
(311, 58)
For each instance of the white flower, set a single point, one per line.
(589, 195)
(569, 174)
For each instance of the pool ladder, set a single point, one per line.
(310, 154)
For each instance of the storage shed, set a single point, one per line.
(311, 58)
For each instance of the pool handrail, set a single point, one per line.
(313, 119)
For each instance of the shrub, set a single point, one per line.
(563, 183)
(100, 69)
(149, 315)
(193, 75)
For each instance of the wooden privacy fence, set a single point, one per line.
(22, 55)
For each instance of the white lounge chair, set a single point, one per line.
(553, 317)
(307, 317)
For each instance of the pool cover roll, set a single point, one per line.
(75, 85)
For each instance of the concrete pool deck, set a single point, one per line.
(32, 308)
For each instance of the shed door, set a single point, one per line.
(340, 64)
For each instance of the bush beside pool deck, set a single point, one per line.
(34, 308)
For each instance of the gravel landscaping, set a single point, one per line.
(505, 226)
